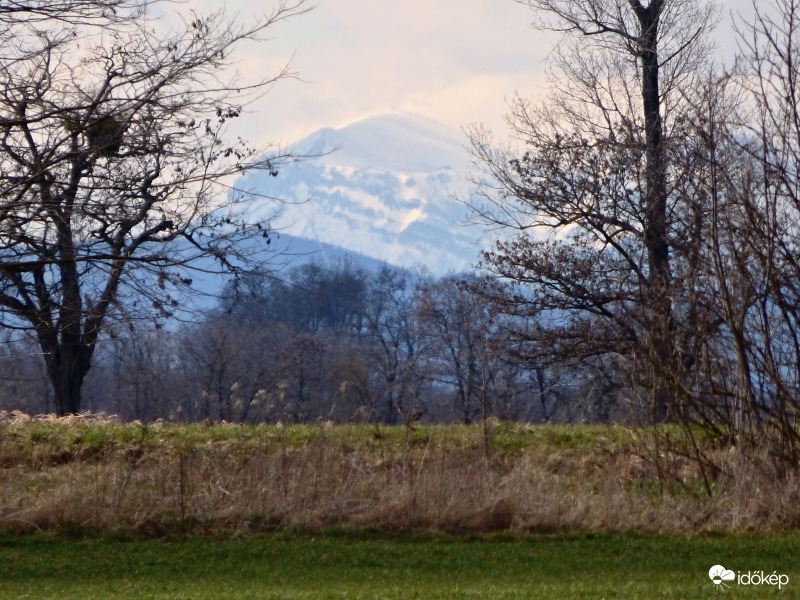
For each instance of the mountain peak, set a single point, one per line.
(382, 186)
(396, 141)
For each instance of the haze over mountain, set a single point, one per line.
(382, 187)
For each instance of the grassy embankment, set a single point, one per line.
(87, 474)
(349, 565)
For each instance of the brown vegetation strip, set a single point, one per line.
(95, 474)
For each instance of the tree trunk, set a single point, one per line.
(67, 367)
(659, 308)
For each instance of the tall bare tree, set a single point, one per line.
(747, 124)
(112, 145)
(594, 206)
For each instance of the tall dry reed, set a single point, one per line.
(142, 480)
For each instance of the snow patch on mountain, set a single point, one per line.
(382, 187)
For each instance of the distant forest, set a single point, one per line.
(324, 341)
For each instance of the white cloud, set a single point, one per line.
(369, 56)
(453, 60)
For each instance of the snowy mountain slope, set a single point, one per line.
(383, 188)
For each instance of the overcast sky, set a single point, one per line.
(457, 61)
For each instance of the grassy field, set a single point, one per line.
(93, 508)
(381, 565)
(89, 474)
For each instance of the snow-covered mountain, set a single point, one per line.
(382, 187)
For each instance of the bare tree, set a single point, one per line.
(396, 344)
(24, 13)
(594, 200)
(111, 148)
(749, 122)
(767, 256)
(133, 374)
(22, 382)
(467, 351)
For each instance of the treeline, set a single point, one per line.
(323, 341)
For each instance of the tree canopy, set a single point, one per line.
(112, 152)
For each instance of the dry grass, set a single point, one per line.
(92, 472)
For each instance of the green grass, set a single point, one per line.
(97, 475)
(380, 565)
(54, 443)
